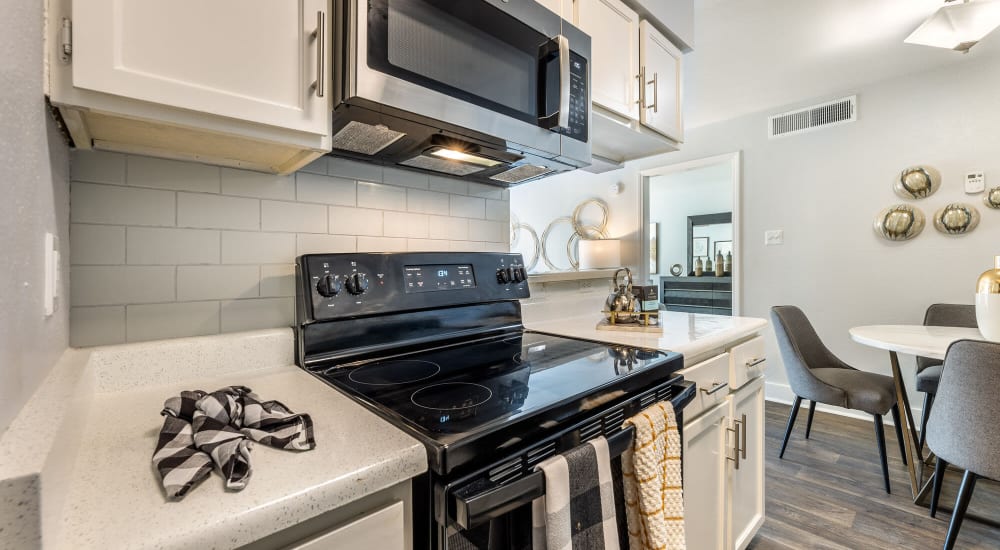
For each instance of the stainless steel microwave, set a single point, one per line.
(495, 91)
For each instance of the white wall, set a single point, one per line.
(674, 197)
(824, 189)
(33, 183)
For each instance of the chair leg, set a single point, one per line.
(924, 415)
(809, 419)
(961, 505)
(880, 439)
(899, 432)
(939, 469)
(791, 424)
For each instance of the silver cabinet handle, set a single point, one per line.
(319, 35)
(755, 361)
(715, 387)
(736, 443)
(743, 436)
(656, 92)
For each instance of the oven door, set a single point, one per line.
(508, 70)
(491, 509)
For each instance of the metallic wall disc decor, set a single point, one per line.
(899, 222)
(581, 228)
(992, 198)
(676, 270)
(917, 182)
(956, 218)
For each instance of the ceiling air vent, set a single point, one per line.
(831, 113)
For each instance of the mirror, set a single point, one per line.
(708, 234)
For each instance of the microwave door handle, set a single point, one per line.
(564, 81)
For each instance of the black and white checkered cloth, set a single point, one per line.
(578, 509)
(201, 429)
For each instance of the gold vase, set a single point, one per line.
(988, 302)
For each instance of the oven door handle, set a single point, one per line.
(474, 509)
(469, 510)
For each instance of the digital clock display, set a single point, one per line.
(430, 278)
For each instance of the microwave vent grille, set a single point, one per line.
(443, 166)
(831, 113)
(366, 139)
(521, 173)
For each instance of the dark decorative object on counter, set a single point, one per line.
(648, 296)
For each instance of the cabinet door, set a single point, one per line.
(705, 478)
(746, 494)
(662, 65)
(253, 60)
(382, 529)
(614, 49)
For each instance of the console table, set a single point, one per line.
(697, 294)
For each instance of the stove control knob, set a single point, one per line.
(502, 276)
(329, 286)
(519, 275)
(510, 274)
(357, 283)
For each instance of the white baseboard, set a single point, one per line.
(782, 393)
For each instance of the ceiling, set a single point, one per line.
(756, 55)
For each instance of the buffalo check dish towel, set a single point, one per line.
(654, 501)
(577, 511)
(205, 430)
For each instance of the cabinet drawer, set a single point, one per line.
(382, 529)
(747, 361)
(710, 376)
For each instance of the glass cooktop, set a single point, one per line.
(506, 389)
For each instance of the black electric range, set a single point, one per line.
(433, 343)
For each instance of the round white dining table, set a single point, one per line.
(919, 340)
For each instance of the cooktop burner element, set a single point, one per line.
(451, 396)
(388, 373)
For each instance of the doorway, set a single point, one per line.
(691, 214)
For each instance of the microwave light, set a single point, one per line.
(462, 156)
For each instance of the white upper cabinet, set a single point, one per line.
(253, 60)
(661, 66)
(243, 83)
(614, 31)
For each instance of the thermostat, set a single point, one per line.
(975, 182)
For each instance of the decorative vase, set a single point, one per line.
(728, 267)
(719, 267)
(988, 302)
(698, 267)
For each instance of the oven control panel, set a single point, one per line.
(333, 286)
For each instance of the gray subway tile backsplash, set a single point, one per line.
(162, 248)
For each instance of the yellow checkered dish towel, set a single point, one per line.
(654, 501)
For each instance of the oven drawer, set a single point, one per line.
(747, 361)
(712, 379)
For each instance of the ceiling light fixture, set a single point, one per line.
(958, 26)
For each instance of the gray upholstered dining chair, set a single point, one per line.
(962, 429)
(929, 370)
(816, 374)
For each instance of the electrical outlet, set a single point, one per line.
(774, 236)
(975, 182)
(586, 284)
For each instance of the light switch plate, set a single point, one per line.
(774, 236)
(975, 182)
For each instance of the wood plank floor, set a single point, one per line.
(827, 492)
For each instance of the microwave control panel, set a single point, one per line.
(579, 99)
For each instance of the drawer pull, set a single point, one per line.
(736, 444)
(756, 361)
(715, 387)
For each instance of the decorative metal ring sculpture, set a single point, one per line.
(586, 230)
(899, 222)
(545, 240)
(530, 263)
(992, 198)
(956, 218)
(514, 233)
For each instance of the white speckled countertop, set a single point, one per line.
(102, 490)
(692, 334)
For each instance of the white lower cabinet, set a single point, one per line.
(705, 474)
(381, 529)
(723, 445)
(746, 484)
